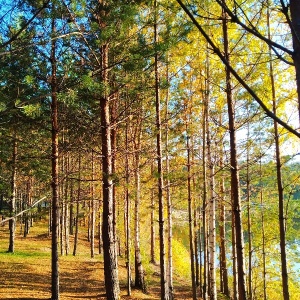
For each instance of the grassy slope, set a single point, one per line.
(26, 274)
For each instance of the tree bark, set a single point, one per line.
(12, 206)
(109, 246)
(93, 209)
(190, 213)
(139, 270)
(212, 221)
(235, 185)
(169, 199)
(222, 229)
(127, 212)
(77, 206)
(54, 161)
(204, 174)
(163, 277)
(281, 213)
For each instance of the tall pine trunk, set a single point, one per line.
(204, 287)
(161, 220)
(222, 230)
(190, 214)
(54, 161)
(281, 213)
(12, 206)
(77, 206)
(93, 208)
(127, 212)
(212, 221)
(169, 199)
(109, 246)
(235, 184)
(139, 270)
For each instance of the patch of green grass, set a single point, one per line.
(25, 254)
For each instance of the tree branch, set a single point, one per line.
(23, 211)
(235, 74)
(14, 37)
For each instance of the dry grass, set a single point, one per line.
(26, 274)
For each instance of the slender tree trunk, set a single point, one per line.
(248, 187)
(153, 236)
(93, 208)
(163, 277)
(212, 222)
(263, 234)
(62, 203)
(204, 173)
(282, 217)
(113, 102)
(235, 186)
(54, 160)
(127, 213)
(71, 223)
(234, 258)
(222, 229)
(67, 208)
(77, 206)
(190, 213)
(12, 207)
(169, 200)
(109, 245)
(139, 270)
(295, 18)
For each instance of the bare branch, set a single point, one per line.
(23, 211)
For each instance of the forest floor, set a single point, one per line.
(26, 274)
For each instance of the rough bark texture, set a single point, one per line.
(109, 247)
